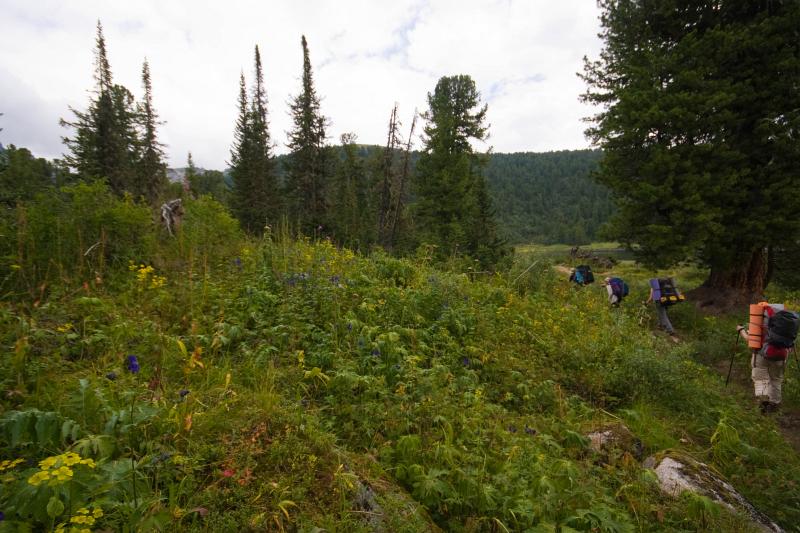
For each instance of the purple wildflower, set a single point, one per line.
(376, 352)
(111, 376)
(237, 263)
(2, 516)
(183, 392)
(465, 361)
(529, 431)
(512, 428)
(133, 364)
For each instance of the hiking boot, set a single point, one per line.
(767, 407)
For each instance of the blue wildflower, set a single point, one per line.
(111, 376)
(465, 361)
(529, 431)
(133, 364)
(376, 352)
(183, 392)
(2, 516)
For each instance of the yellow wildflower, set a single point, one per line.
(64, 328)
(88, 462)
(8, 464)
(71, 458)
(63, 474)
(38, 477)
(46, 464)
(97, 512)
(82, 519)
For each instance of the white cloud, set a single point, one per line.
(366, 55)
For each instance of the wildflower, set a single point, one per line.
(9, 464)
(111, 376)
(237, 263)
(512, 428)
(70, 458)
(227, 472)
(2, 516)
(88, 462)
(47, 464)
(38, 477)
(530, 431)
(63, 473)
(465, 361)
(349, 326)
(183, 392)
(376, 352)
(64, 328)
(133, 364)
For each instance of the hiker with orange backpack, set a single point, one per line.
(770, 335)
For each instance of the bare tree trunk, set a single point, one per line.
(401, 186)
(732, 289)
(384, 210)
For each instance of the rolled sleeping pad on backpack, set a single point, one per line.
(755, 333)
(759, 319)
(656, 289)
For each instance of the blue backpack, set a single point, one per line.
(619, 287)
(583, 275)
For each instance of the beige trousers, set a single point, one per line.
(767, 377)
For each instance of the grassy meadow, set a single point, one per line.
(212, 382)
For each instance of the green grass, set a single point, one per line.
(333, 391)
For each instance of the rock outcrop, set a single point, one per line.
(678, 472)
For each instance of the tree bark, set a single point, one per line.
(732, 289)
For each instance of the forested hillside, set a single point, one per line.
(548, 197)
(537, 197)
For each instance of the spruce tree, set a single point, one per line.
(190, 175)
(105, 143)
(699, 127)
(451, 195)
(256, 198)
(349, 212)
(241, 162)
(152, 176)
(307, 165)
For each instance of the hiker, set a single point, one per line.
(581, 275)
(617, 290)
(664, 293)
(770, 336)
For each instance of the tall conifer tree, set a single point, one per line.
(699, 127)
(152, 176)
(105, 143)
(451, 192)
(306, 165)
(256, 197)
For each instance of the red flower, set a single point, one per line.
(227, 472)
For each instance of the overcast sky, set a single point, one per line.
(366, 55)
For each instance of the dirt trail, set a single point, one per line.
(788, 418)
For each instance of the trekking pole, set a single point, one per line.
(733, 355)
